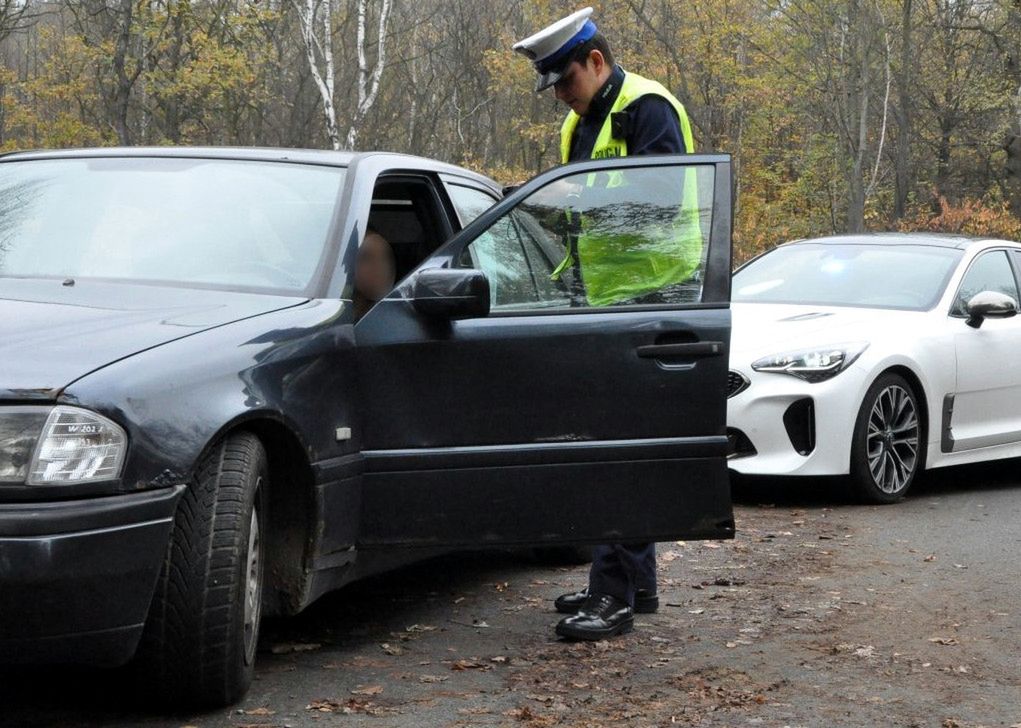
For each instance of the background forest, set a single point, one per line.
(842, 115)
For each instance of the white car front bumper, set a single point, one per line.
(782, 425)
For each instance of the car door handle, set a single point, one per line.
(699, 349)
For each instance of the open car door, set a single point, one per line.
(566, 404)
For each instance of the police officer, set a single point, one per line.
(613, 113)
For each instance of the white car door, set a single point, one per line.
(986, 409)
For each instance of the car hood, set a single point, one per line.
(52, 334)
(759, 329)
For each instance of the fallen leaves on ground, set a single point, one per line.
(284, 648)
(472, 664)
(348, 707)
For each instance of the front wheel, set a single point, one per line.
(203, 627)
(888, 448)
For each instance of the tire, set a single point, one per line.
(563, 555)
(199, 643)
(888, 447)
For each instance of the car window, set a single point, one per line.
(519, 270)
(635, 236)
(989, 272)
(469, 202)
(405, 210)
(225, 223)
(866, 275)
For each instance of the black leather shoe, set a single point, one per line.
(645, 602)
(601, 616)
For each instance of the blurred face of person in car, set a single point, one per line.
(375, 270)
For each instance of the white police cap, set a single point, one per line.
(550, 49)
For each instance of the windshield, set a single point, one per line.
(908, 277)
(220, 223)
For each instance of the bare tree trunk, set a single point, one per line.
(368, 84)
(310, 14)
(1013, 145)
(172, 112)
(904, 177)
(856, 85)
(887, 62)
(946, 128)
(123, 80)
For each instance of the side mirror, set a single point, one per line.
(989, 304)
(451, 293)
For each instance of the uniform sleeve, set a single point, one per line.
(655, 128)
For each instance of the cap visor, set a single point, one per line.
(547, 79)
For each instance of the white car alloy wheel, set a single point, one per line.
(887, 441)
(893, 439)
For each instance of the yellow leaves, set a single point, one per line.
(46, 110)
(210, 69)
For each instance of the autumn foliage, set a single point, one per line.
(840, 115)
(969, 217)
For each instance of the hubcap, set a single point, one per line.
(892, 439)
(253, 585)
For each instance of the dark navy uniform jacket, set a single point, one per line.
(654, 127)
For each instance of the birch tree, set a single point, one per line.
(368, 81)
(316, 23)
(315, 19)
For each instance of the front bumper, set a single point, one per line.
(782, 425)
(77, 577)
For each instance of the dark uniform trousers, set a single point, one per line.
(620, 569)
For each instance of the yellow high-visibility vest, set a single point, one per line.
(614, 266)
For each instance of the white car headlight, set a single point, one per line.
(77, 446)
(813, 365)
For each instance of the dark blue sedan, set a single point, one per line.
(198, 425)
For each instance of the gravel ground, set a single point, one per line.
(820, 613)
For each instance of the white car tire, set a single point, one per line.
(888, 445)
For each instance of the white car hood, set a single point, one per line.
(759, 329)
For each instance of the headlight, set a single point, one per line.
(56, 445)
(77, 446)
(19, 433)
(813, 365)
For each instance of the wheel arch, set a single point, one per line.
(913, 379)
(291, 505)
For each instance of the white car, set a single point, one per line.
(875, 356)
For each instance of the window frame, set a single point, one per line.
(716, 279)
(449, 183)
(1012, 264)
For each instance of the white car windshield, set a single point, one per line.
(208, 222)
(909, 277)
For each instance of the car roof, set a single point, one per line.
(268, 154)
(935, 240)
